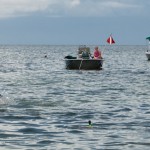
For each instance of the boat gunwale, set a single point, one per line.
(85, 59)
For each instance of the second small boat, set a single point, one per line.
(148, 50)
(148, 55)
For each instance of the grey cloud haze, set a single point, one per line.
(83, 8)
(73, 21)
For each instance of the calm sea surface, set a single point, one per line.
(44, 106)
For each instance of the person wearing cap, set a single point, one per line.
(97, 53)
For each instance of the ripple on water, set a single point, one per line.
(31, 130)
(45, 106)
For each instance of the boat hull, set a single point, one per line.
(148, 55)
(84, 64)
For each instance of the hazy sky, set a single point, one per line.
(74, 21)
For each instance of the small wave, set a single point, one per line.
(46, 142)
(31, 130)
(6, 100)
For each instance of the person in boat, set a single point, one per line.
(84, 52)
(97, 53)
(89, 123)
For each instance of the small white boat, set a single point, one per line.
(148, 51)
(148, 55)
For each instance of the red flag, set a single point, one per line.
(110, 40)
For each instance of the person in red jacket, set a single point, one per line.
(97, 53)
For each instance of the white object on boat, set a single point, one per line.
(148, 55)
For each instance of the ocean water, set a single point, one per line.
(44, 106)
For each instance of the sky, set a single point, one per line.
(74, 22)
